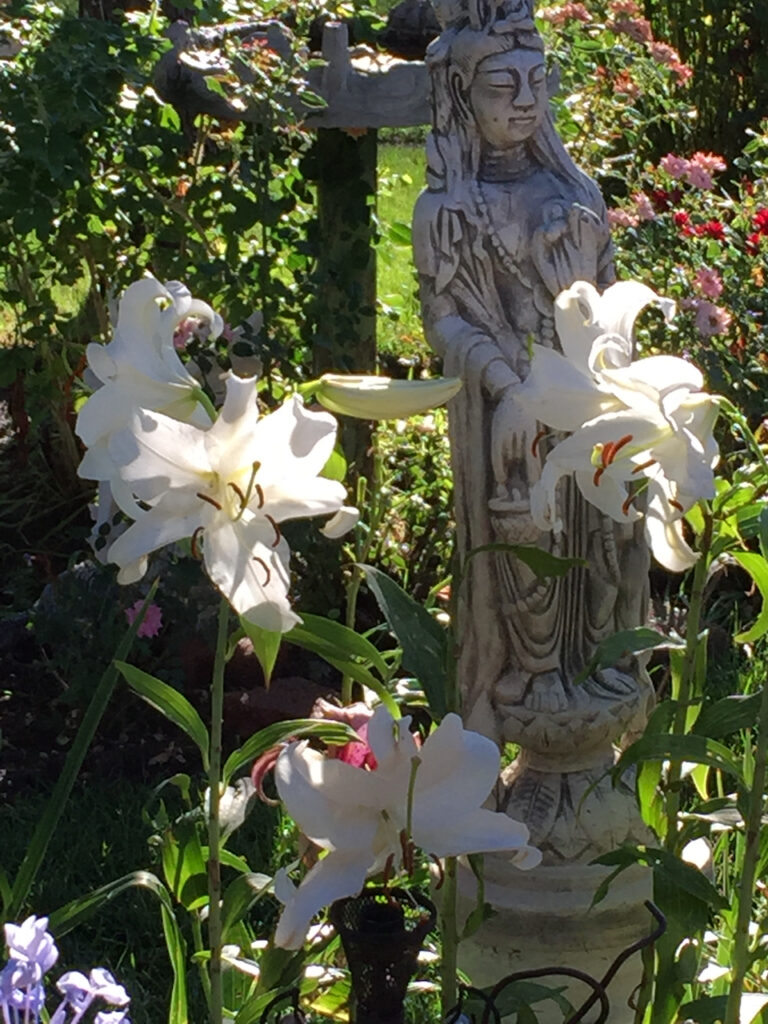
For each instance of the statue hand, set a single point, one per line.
(513, 432)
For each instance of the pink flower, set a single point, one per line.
(184, 332)
(358, 715)
(630, 7)
(708, 282)
(644, 206)
(675, 166)
(712, 319)
(638, 29)
(684, 72)
(699, 178)
(568, 12)
(663, 53)
(622, 218)
(153, 620)
(709, 162)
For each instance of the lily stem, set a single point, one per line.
(687, 675)
(740, 955)
(450, 937)
(214, 832)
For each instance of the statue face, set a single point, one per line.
(508, 96)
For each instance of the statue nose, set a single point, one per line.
(524, 97)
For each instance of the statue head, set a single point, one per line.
(498, 83)
(490, 92)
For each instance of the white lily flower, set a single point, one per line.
(358, 815)
(382, 398)
(140, 368)
(232, 483)
(646, 419)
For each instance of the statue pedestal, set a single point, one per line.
(543, 919)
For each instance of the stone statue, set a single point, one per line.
(508, 221)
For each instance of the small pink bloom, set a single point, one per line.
(638, 29)
(622, 218)
(184, 331)
(709, 162)
(153, 620)
(644, 206)
(568, 12)
(684, 72)
(629, 7)
(356, 753)
(712, 319)
(663, 53)
(699, 178)
(674, 166)
(708, 282)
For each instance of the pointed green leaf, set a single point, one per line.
(757, 567)
(239, 897)
(698, 749)
(618, 646)
(298, 728)
(677, 873)
(729, 715)
(423, 640)
(542, 563)
(170, 703)
(266, 646)
(325, 637)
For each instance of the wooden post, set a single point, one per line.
(345, 323)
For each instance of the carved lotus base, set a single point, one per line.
(556, 719)
(543, 919)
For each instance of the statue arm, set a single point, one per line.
(468, 351)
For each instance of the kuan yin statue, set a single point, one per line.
(507, 222)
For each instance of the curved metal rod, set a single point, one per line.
(598, 989)
(610, 974)
(454, 1015)
(291, 993)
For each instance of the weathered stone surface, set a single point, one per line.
(508, 221)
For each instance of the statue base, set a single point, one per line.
(544, 918)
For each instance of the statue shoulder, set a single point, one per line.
(437, 232)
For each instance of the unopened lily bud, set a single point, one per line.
(382, 398)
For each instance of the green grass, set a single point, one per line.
(401, 179)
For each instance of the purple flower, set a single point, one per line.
(79, 992)
(29, 943)
(153, 620)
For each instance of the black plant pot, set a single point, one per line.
(382, 931)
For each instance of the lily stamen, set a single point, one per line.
(626, 506)
(276, 528)
(239, 493)
(209, 499)
(260, 494)
(266, 569)
(193, 544)
(645, 465)
(598, 473)
(535, 443)
(388, 869)
(676, 504)
(612, 449)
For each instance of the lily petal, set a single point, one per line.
(341, 523)
(664, 530)
(558, 393)
(251, 573)
(337, 875)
